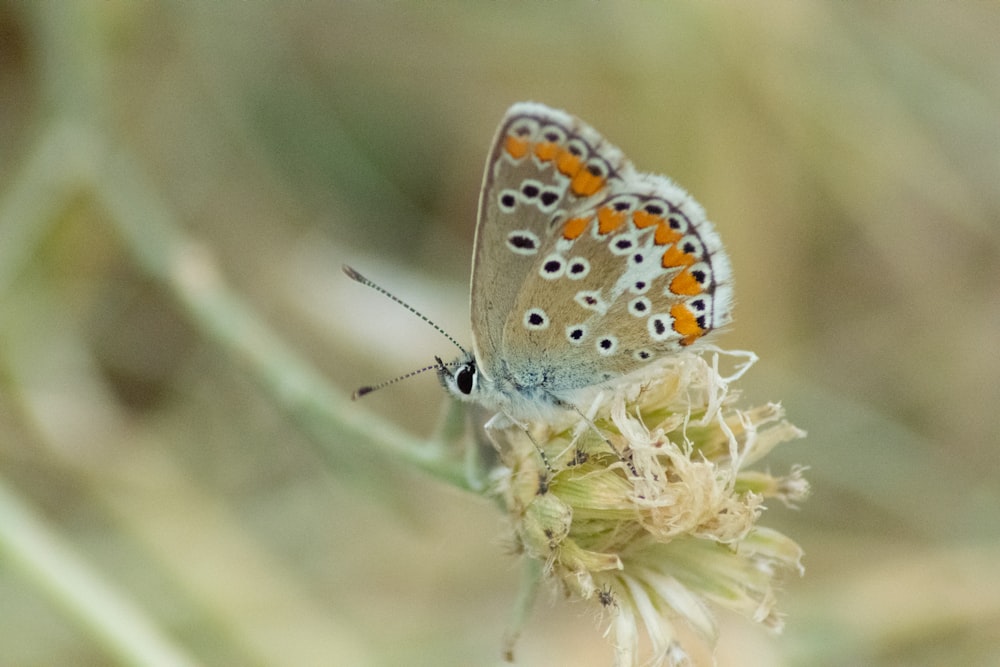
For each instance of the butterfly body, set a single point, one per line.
(585, 270)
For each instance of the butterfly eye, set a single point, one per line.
(465, 378)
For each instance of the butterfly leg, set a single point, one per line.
(625, 457)
(501, 422)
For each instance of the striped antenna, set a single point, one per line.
(367, 389)
(357, 277)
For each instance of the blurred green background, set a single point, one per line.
(167, 169)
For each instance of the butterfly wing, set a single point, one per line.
(621, 269)
(543, 163)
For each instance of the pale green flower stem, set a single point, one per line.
(344, 431)
(76, 157)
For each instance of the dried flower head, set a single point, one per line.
(647, 508)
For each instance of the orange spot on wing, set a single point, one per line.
(686, 324)
(546, 151)
(608, 219)
(643, 219)
(665, 234)
(684, 283)
(674, 257)
(585, 184)
(574, 228)
(516, 147)
(568, 164)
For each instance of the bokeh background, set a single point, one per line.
(181, 182)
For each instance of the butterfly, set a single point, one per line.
(585, 271)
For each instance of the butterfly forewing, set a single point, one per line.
(543, 163)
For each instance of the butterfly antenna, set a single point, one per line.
(357, 277)
(362, 391)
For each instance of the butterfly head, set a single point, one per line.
(460, 377)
